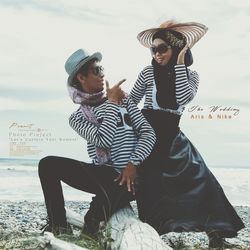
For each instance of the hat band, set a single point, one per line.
(78, 65)
(82, 61)
(173, 40)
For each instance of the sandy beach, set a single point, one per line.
(26, 218)
(22, 210)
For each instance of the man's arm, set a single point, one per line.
(101, 136)
(146, 134)
(146, 141)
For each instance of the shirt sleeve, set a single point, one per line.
(100, 136)
(146, 134)
(138, 91)
(186, 84)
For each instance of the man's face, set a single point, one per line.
(94, 81)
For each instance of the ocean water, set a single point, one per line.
(19, 181)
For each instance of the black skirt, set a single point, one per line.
(177, 192)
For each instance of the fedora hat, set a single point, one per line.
(192, 32)
(77, 60)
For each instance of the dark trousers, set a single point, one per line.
(98, 180)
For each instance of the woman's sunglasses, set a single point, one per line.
(97, 70)
(162, 48)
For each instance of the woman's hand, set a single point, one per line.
(181, 56)
(128, 176)
(115, 94)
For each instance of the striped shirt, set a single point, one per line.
(123, 130)
(186, 85)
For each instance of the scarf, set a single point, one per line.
(165, 85)
(87, 103)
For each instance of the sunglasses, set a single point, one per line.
(97, 71)
(162, 48)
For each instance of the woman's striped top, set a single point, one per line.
(186, 85)
(123, 130)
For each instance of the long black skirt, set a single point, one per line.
(177, 192)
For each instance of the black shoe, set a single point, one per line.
(219, 243)
(57, 229)
(46, 228)
(65, 229)
(91, 225)
(91, 228)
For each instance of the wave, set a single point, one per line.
(19, 178)
(18, 164)
(18, 161)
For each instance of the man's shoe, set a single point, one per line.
(65, 229)
(91, 228)
(219, 243)
(46, 228)
(57, 229)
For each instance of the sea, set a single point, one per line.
(19, 181)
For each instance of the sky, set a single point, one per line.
(37, 36)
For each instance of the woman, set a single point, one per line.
(177, 192)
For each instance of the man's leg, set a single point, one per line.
(98, 180)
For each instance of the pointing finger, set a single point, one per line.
(120, 82)
(107, 84)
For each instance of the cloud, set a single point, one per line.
(48, 106)
(41, 34)
(60, 8)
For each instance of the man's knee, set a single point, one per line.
(45, 165)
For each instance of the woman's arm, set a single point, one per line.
(185, 85)
(139, 89)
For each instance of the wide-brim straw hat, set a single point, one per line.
(77, 60)
(192, 31)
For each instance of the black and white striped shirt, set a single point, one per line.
(185, 85)
(123, 130)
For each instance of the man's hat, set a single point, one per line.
(77, 60)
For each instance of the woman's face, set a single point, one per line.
(161, 51)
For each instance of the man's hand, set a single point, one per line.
(128, 176)
(181, 56)
(115, 94)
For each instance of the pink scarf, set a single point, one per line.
(87, 102)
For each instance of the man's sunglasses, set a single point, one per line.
(162, 48)
(97, 70)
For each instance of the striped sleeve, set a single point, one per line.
(139, 88)
(186, 87)
(146, 134)
(101, 136)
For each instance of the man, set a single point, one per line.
(118, 140)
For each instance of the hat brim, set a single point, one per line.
(96, 55)
(192, 31)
